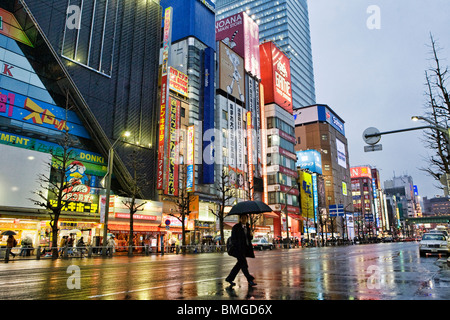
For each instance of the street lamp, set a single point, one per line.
(108, 189)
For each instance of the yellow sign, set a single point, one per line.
(193, 207)
(344, 188)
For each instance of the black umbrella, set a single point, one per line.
(249, 207)
(8, 233)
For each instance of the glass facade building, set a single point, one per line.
(286, 23)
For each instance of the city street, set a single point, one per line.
(384, 271)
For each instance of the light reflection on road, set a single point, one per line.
(363, 272)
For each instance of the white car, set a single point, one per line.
(261, 244)
(434, 243)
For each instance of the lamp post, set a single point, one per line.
(108, 190)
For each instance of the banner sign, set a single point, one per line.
(178, 82)
(190, 181)
(163, 118)
(173, 163)
(32, 111)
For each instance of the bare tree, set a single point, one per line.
(138, 182)
(437, 109)
(183, 203)
(224, 193)
(60, 189)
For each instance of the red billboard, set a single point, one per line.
(276, 76)
(360, 172)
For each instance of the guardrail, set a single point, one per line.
(31, 253)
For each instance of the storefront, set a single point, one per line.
(24, 228)
(146, 224)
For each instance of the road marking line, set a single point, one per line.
(152, 288)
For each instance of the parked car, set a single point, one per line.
(388, 239)
(261, 244)
(434, 243)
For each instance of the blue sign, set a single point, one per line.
(315, 195)
(40, 114)
(416, 191)
(336, 210)
(327, 115)
(310, 160)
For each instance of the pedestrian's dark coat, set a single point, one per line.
(239, 242)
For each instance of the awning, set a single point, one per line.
(136, 228)
(271, 215)
(296, 217)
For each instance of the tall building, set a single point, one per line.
(188, 49)
(286, 23)
(72, 65)
(318, 127)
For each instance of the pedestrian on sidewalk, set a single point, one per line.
(241, 239)
(11, 243)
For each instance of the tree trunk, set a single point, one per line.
(222, 240)
(55, 239)
(183, 238)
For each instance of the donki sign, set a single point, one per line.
(276, 76)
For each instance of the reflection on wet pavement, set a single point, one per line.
(389, 271)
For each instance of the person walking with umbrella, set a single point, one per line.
(10, 244)
(241, 239)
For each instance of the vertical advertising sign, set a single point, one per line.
(208, 117)
(163, 126)
(306, 195)
(250, 153)
(341, 154)
(173, 161)
(232, 141)
(276, 76)
(231, 72)
(315, 196)
(263, 144)
(190, 181)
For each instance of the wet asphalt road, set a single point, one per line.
(386, 271)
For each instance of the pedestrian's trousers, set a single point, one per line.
(241, 264)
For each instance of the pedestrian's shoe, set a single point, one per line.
(251, 283)
(230, 282)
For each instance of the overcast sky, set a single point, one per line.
(376, 77)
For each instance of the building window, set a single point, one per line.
(324, 137)
(91, 42)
